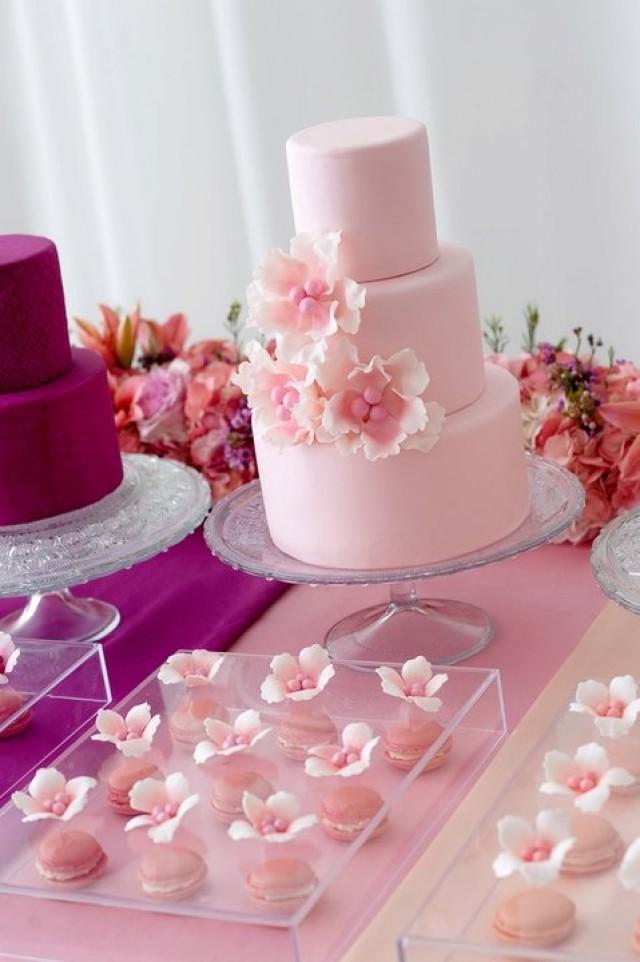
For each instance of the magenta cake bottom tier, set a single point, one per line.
(58, 444)
(471, 489)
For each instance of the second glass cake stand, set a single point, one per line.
(615, 559)
(445, 630)
(158, 503)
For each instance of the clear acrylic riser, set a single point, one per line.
(446, 631)
(615, 560)
(65, 686)
(353, 877)
(455, 923)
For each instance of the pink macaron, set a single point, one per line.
(122, 779)
(228, 789)
(186, 723)
(347, 810)
(280, 883)
(300, 731)
(406, 743)
(597, 846)
(171, 872)
(11, 701)
(537, 917)
(70, 857)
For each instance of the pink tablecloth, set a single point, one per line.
(541, 604)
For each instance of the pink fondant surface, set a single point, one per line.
(435, 312)
(471, 489)
(58, 444)
(33, 320)
(370, 178)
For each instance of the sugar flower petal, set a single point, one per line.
(629, 872)
(283, 805)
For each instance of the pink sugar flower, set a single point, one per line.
(586, 777)
(132, 734)
(378, 408)
(274, 820)
(415, 683)
(192, 668)
(165, 804)
(351, 757)
(9, 655)
(50, 795)
(613, 707)
(302, 298)
(537, 851)
(629, 872)
(298, 679)
(245, 732)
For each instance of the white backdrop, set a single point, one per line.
(147, 138)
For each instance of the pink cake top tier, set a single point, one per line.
(369, 178)
(33, 319)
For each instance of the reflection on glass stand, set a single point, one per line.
(158, 504)
(445, 631)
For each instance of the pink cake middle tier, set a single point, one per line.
(344, 511)
(58, 444)
(435, 311)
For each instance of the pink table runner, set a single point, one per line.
(541, 604)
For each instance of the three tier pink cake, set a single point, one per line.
(382, 438)
(58, 444)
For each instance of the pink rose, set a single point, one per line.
(158, 403)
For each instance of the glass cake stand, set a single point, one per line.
(615, 559)
(444, 630)
(158, 503)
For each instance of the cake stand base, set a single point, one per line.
(60, 616)
(443, 630)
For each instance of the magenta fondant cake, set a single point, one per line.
(58, 445)
(382, 438)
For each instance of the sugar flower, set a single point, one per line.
(299, 679)
(613, 707)
(193, 668)
(164, 802)
(535, 851)
(629, 871)
(352, 757)
(246, 730)
(415, 683)
(50, 795)
(302, 297)
(587, 776)
(273, 820)
(9, 655)
(132, 734)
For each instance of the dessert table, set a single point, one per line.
(542, 604)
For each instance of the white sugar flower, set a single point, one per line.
(298, 678)
(132, 734)
(273, 820)
(629, 871)
(9, 655)
(50, 795)
(191, 668)
(352, 757)
(415, 683)
(164, 802)
(587, 776)
(536, 852)
(613, 707)
(246, 731)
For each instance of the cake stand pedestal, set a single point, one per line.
(445, 631)
(615, 560)
(158, 503)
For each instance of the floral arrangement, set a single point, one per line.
(580, 412)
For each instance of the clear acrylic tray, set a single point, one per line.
(455, 923)
(353, 878)
(64, 685)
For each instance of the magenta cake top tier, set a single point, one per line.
(33, 319)
(369, 178)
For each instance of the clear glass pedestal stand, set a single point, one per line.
(615, 560)
(158, 504)
(446, 631)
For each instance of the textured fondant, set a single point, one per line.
(471, 489)
(58, 445)
(370, 178)
(435, 312)
(33, 320)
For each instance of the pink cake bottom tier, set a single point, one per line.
(470, 490)
(58, 444)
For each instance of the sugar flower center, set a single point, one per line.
(307, 296)
(162, 813)
(285, 397)
(610, 709)
(233, 739)
(301, 682)
(536, 852)
(368, 406)
(271, 824)
(416, 690)
(346, 756)
(58, 804)
(584, 782)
